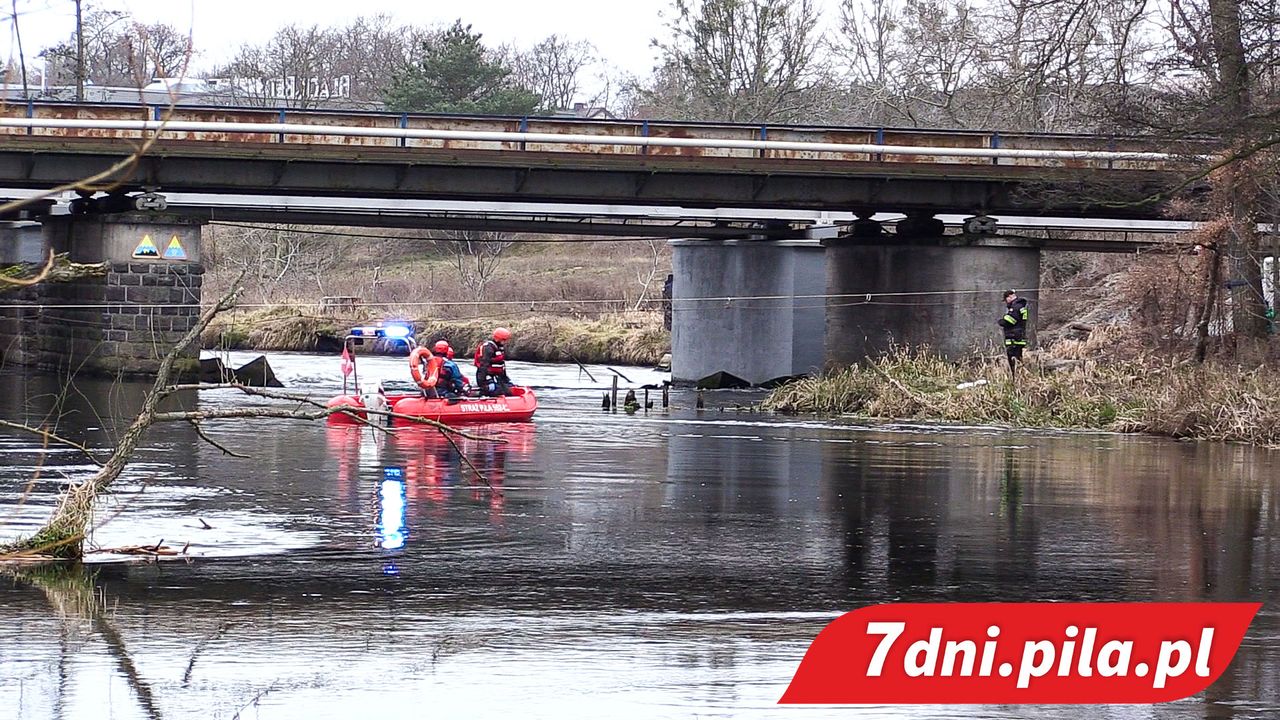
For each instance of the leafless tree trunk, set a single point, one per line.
(646, 278)
(475, 254)
(1243, 258)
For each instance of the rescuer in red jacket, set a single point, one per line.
(491, 364)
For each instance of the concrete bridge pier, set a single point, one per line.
(123, 323)
(751, 308)
(887, 292)
(20, 242)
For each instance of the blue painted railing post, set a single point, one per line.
(404, 125)
(31, 113)
(644, 132)
(764, 136)
(880, 141)
(281, 137)
(995, 145)
(524, 128)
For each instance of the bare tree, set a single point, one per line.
(278, 263)
(553, 69)
(120, 52)
(646, 276)
(475, 254)
(314, 66)
(874, 59)
(742, 61)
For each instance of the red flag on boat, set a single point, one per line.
(347, 365)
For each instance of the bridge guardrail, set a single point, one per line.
(615, 137)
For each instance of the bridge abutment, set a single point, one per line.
(122, 323)
(740, 306)
(888, 293)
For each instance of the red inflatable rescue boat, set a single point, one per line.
(519, 406)
(406, 398)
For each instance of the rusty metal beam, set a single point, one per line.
(654, 180)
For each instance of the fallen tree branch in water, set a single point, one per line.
(268, 411)
(51, 436)
(471, 465)
(308, 400)
(225, 450)
(62, 536)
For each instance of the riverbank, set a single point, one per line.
(627, 339)
(1163, 397)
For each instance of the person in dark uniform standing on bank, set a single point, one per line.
(1014, 325)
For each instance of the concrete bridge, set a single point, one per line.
(759, 297)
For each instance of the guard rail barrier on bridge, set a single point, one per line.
(596, 137)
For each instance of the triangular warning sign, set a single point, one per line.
(146, 248)
(175, 251)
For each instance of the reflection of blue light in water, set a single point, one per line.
(390, 569)
(393, 473)
(391, 509)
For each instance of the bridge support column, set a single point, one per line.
(20, 242)
(735, 310)
(123, 323)
(884, 294)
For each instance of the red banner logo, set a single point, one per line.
(1004, 653)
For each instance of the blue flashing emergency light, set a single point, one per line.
(398, 332)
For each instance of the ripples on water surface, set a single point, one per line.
(669, 565)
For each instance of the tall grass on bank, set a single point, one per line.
(1182, 400)
(630, 339)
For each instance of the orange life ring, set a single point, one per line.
(433, 362)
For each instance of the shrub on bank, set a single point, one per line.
(1179, 399)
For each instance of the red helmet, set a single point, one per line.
(502, 335)
(441, 347)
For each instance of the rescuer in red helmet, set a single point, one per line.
(491, 364)
(452, 384)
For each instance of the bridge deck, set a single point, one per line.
(553, 160)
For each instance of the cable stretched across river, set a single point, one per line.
(869, 297)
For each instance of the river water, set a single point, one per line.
(663, 565)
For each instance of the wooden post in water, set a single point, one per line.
(614, 394)
(666, 397)
(647, 404)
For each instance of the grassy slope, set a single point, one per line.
(1159, 396)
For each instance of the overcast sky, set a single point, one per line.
(620, 30)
